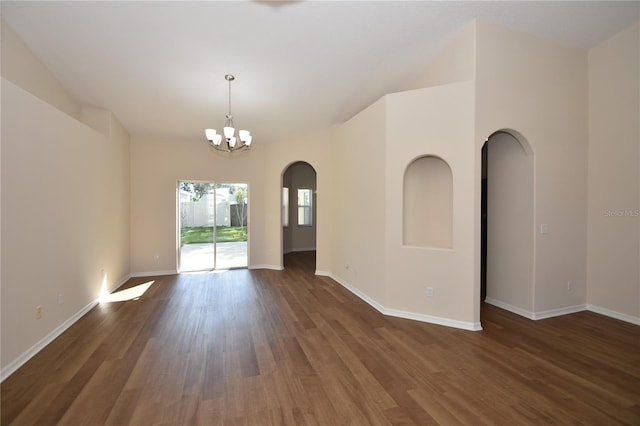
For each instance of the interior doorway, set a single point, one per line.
(212, 225)
(507, 222)
(299, 208)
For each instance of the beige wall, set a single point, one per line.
(65, 205)
(24, 69)
(156, 168)
(614, 176)
(65, 218)
(358, 195)
(433, 121)
(312, 148)
(539, 89)
(454, 63)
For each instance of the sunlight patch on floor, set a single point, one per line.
(133, 293)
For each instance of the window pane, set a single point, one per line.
(285, 206)
(304, 207)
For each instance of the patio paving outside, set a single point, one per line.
(199, 257)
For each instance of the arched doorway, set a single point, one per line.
(507, 222)
(299, 210)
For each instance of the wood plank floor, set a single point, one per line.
(286, 347)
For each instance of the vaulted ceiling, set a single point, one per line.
(160, 66)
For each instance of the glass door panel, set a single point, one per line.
(213, 226)
(232, 211)
(196, 226)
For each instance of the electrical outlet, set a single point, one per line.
(38, 312)
(60, 299)
(429, 291)
(569, 285)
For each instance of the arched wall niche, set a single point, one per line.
(428, 203)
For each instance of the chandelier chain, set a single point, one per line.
(229, 116)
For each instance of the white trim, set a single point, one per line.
(153, 273)
(371, 301)
(33, 350)
(403, 314)
(510, 308)
(564, 311)
(120, 283)
(463, 325)
(614, 314)
(273, 267)
(535, 316)
(559, 312)
(42, 343)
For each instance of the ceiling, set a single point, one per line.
(299, 66)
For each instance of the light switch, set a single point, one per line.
(544, 228)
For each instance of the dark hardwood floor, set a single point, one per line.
(286, 347)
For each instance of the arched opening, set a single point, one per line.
(428, 203)
(299, 213)
(507, 222)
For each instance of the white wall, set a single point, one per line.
(433, 121)
(539, 89)
(24, 69)
(358, 195)
(454, 63)
(65, 204)
(156, 168)
(314, 149)
(614, 176)
(65, 208)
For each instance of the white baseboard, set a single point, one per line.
(175, 272)
(613, 314)
(403, 314)
(559, 311)
(153, 273)
(510, 308)
(273, 267)
(371, 301)
(33, 350)
(463, 325)
(42, 343)
(564, 311)
(536, 315)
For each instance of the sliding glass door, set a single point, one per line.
(212, 225)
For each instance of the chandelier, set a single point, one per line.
(232, 142)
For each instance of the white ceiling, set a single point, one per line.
(160, 66)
